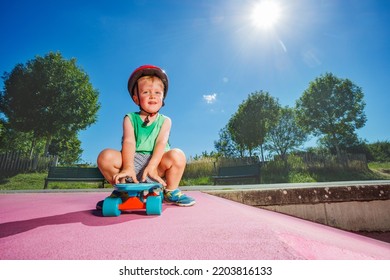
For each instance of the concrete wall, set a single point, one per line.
(353, 208)
(352, 216)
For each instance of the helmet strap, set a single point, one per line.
(146, 121)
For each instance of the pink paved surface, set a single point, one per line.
(66, 226)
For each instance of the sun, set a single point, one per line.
(265, 14)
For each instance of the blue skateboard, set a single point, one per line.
(147, 196)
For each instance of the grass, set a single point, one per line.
(201, 181)
(381, 169)
(35, 181)
(376, 171)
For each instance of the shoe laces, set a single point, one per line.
(178, 194)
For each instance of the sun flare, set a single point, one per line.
(265, 14)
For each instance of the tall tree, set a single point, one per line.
(333, 108)
(286, 135)
(46, 96)
(253, 119)
(225, 146)
(68, 148)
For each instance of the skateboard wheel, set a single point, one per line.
(153, 205)
(162, 195)
(110, 207)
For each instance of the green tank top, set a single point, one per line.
(145, 136)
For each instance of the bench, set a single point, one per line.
(238, 172)
(74, 174)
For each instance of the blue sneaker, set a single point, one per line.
(178, 198)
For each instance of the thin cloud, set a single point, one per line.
(210, 98)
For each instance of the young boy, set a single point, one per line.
(146, 155)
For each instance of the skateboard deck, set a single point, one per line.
(131, 187)
(148, 196)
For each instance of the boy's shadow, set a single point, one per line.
(86, 217)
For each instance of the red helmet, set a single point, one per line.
(147, 70)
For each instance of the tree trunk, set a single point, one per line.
(261, 152)
(33, 144)
(47, 145)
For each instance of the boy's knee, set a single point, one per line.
(102, 155)
(178, 155)
(106, 155)
(175, 157)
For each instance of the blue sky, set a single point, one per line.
(213, 53)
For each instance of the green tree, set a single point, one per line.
(16, 141)
(346, 143)
(2, 129)
(286, 136)
(380, 151)
(332, 108)
(252, 121)
(68, 149)
(66, 146)
(48, 96)
(225, 146)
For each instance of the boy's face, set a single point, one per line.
(150, 94)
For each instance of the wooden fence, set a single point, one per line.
(14, 162)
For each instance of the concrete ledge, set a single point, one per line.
(306, 195)
(371, 216)
(349, 207)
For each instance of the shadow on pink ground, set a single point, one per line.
(92, 218)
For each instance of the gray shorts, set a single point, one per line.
(140, 163)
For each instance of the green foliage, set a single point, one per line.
(274, 172)
(202, 167)
(297, 170)
(200, 181)
(381, 168)
(380, 165)
(289, 170)
(225, 146)
(286, 136)
(48, 97)
(380, 151)
(300, 177)
(2, 129)
(300, 168)
(67, 148)
(16, 141)
(249, 126)
(333, 108)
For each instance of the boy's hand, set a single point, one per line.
(123, 175)
(152, 172)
